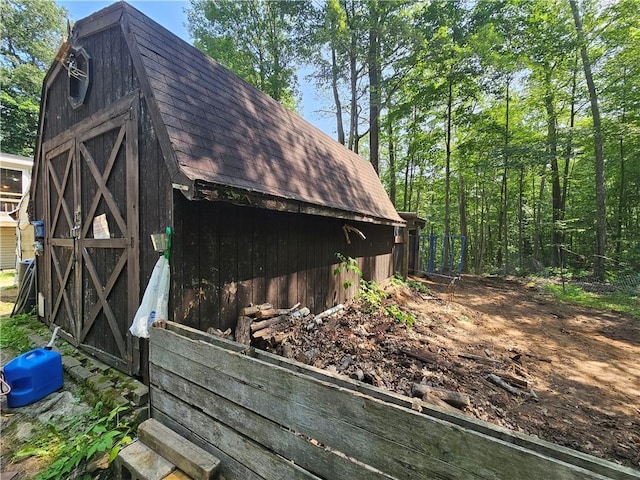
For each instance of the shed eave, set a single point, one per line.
(247, 198)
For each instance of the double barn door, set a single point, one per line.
(90, 175)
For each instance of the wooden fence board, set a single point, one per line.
(380, 434)
(542, 447)
(287, 443)
(230, 468)
(243, 449)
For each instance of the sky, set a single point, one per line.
(171, 15)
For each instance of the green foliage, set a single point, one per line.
(373, 296)
(31, 31)
(347, 264)
(14, 332)
(621, 302)
(73, 448)
(259, 40)
(412, 284)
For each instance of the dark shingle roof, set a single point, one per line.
(225, 132)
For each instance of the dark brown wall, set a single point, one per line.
(225, 257)
(113, 77)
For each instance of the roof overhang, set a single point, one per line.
(245, 198)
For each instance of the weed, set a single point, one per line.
(372, 297)
(412, 284)
(616, 302)
(76, 447)
(400, 315)
(347, 264)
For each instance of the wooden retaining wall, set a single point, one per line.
(266, 417)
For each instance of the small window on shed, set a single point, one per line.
(78, 65)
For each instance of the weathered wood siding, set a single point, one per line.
(226, 257)
(266, 417)
(113, 77)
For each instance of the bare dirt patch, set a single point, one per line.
(581, 364)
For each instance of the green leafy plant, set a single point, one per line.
(616, 302)
(371, 294)
(347, 264)
(400, 315)
(76, 447)
(412, 284)
(372, 297)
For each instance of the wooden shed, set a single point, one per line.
(140, 131)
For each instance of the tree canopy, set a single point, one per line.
(31, 31)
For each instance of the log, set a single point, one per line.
(271, 312)
(286, 311)
(303, 312)
(433, 400)
(253, 309)
(515, 381)
(495, 379)
(329, 312)
(243, 330)
(422, 355)
(256, 326)
(478, 358)
(249, 311)
(455, 399)
(271, 331)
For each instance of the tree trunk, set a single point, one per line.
(336, 96)
(462, 202)
(601, 194)
(392, 162)
(505, 196)
(374, 87)
(552, 152)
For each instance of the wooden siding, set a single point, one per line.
(267, 417)
(226, 257)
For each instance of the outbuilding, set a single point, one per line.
(140, 131)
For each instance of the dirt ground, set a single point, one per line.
(576, 368)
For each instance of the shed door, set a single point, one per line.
(92, 235)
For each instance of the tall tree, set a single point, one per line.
(260, 40)
(31, 31)
(601, 212)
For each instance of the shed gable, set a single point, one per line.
(224, 133)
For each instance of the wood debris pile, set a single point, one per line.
(499, 353)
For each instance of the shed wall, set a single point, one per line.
(225, 257)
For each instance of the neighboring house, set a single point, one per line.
(16, 237)
(139, 131)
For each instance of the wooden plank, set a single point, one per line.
(293, 253)
(245, 257)
(400, 430)
(282, 259)
(289, 444)
(188, 457)
(230, 468)
(271, 260)
(243, 449)
(258, 259)
(229, 260)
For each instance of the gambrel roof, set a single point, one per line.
(223, 138)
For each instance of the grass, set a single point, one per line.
(616, 302)
(7, 278)
(14, 330)
(8, 291)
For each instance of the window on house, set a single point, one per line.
(10, 189)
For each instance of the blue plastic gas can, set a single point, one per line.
(32, 376)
